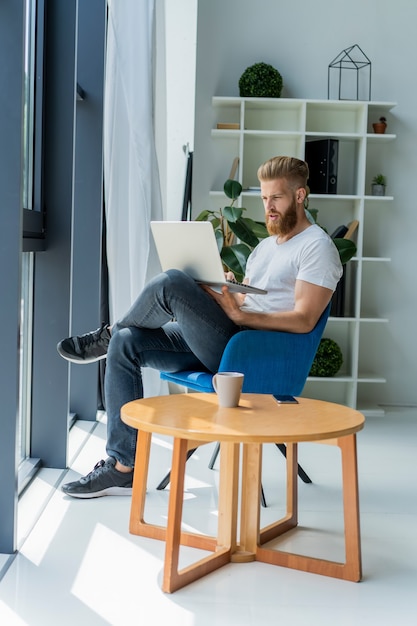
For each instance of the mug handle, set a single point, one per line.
(214, 382)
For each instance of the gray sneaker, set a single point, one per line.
(86, 348)
(103, 480)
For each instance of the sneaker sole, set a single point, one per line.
(74, 359)
(110, 491)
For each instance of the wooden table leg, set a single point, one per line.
(228, 495)
(251, 536)
(250, 502)
(351, 569)
(140, 478)
(138, 525)
(173, 578)
(290, 519)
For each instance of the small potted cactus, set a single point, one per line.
(380, 126)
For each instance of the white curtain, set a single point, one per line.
(131, 179)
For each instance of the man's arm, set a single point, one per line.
(310, 302)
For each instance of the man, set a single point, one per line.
(298, 265)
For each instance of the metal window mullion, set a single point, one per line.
(12, 20)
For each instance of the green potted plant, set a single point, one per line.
(379, 183)
(328, 359)
(260, 80)
(229, 225)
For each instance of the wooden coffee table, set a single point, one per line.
(195, 418)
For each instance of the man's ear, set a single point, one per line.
(300, 195)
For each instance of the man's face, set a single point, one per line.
(280, 206)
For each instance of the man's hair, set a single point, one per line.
(294, 171)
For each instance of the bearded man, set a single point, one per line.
(299, 267)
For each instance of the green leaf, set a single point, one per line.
(258, 228)
(219, 238)
(243, 232)
(215, 222)
(346, 247)
(204, 216)
(232, 188)
(232, 213)
(234, 258)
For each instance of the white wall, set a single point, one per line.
(300, 39)
(175, 83)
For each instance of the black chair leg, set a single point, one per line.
(304, 477)
(214, 456)
(263, 501)
(165, 481)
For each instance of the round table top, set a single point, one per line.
(257, 419)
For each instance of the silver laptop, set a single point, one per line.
(192, 248)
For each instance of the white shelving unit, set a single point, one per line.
(269, 127)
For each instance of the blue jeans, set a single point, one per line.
(147, 337)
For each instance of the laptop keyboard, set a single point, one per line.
(235, 282)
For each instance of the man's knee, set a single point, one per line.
(121, 343)
(177, 277)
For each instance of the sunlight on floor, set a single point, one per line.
(78, 563)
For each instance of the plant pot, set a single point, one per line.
(379, 128)
(378, 190)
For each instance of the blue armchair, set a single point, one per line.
(273, 362)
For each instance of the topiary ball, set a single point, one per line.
(260, 81)
(328, 359)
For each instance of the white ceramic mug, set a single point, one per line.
(228, 386)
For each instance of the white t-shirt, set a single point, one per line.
(310, 256)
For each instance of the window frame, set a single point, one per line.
(34, 217)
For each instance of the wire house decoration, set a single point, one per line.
(351, 74)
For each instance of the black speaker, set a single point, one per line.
(322, 156)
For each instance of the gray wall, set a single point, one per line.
(301, 39)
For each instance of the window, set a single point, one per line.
(33, 218)
(32, 235)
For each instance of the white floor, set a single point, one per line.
(78, 564)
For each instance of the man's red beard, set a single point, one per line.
(283, 225)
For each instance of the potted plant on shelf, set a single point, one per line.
(229, 225)
(328, 359)
(260, 81)
(379, 183)
(380, 126)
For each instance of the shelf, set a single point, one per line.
(272, 126)
(333, 196)
(333, 135)
(378, 199)
(225, 132)
(374, 137)
(273, 134)
(372, 320)
(348, 379)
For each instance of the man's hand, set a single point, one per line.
(310, 302)
(229, 302)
